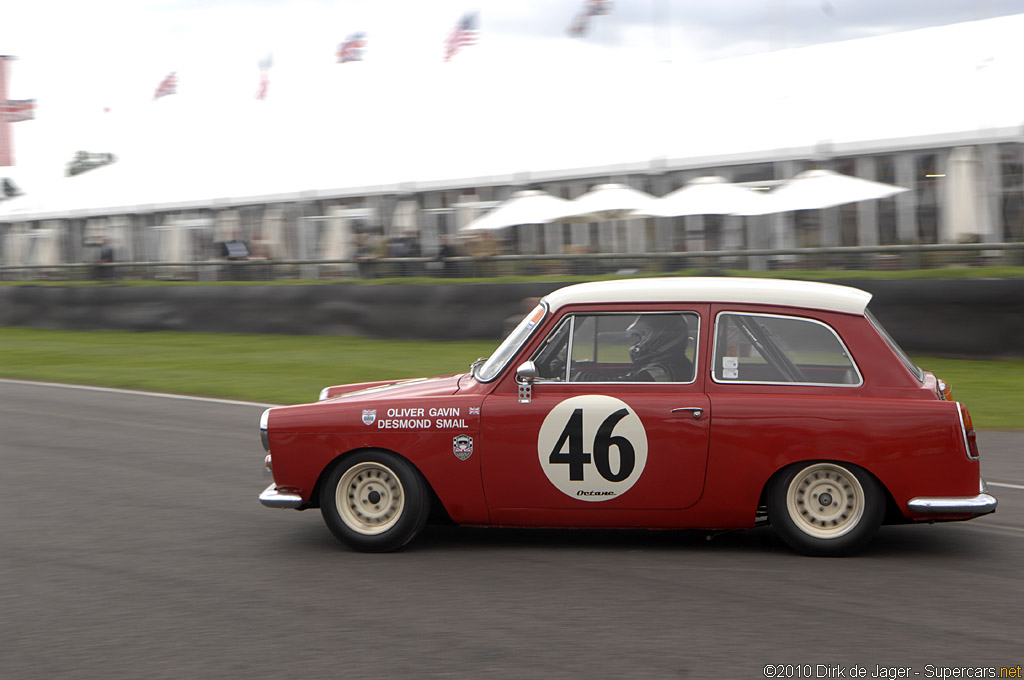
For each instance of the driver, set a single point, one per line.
(658, 348)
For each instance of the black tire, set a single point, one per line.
(374, 501)
(825, 509)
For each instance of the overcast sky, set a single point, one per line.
(93, 68)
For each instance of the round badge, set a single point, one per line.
(592, 447)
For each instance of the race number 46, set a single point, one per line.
(592, 447)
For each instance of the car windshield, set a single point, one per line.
(490, 369)
(914, 368)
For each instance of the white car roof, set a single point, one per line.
(811, 294)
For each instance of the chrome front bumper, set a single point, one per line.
(975, 506)
(272, 498)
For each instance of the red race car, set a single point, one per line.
(675, 403)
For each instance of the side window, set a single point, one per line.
(550, 358)
(648, 347)
(761, 348)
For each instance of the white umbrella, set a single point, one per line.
(707, 196)
(609, 202)
(814, 189)
(524, 207)
(468, 209)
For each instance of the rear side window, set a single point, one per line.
(765, 348)
(914, 368)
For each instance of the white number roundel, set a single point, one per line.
(592, 447)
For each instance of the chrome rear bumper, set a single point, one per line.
(272, 498)
(982, 504)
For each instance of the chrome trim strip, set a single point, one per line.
(500, 371)
(697, 411)
(571, 317)
(723, 381)
(982, 504)
(272, 498)
(568, 347)
(963, 433)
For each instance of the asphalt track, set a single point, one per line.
(132, 546)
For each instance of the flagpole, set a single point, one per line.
(663, 19)
(6, 155)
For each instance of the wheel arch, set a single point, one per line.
(437, 509)
(892, 511)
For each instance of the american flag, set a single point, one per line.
(591, 8)
(462, 35)
(15, 110)
(351, 49)
(168, 85)
(265, 64)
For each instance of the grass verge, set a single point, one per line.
(279, 369)
(286, 369)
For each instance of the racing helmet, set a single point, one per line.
(655, 335)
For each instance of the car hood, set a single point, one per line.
(403, 389)
(346, 410)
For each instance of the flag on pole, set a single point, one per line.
(591, 8)
(261, 90)
(463, 35)
(16, 110)
(351, 49)
(168, 85)
(11, 111)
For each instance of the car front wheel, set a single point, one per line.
(374, 501)
(825, 509)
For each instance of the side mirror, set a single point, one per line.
(526, 371)
(525, 375)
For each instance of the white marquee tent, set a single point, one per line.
(961, 78)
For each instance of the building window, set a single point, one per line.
(927, 180)
(848, 211)
(885, 171)
(1011, 197)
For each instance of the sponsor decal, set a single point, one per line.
(462, 446)
(369, 416)
(422, 418)
(592, 447)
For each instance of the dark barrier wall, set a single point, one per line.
(967, 317)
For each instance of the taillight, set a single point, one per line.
(970, 437)
(945, 390)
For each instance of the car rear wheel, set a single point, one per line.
(374, 501)
(825, 509)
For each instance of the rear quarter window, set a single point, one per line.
(775, 349)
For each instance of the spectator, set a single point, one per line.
(105, 261)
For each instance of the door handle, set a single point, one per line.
(697, 411)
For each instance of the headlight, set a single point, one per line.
(323, 393)
(263, 430)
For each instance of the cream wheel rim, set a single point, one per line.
(825, 500)
(370, 498)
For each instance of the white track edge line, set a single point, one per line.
(1006, 485)
(140, 393)
(235, 402)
